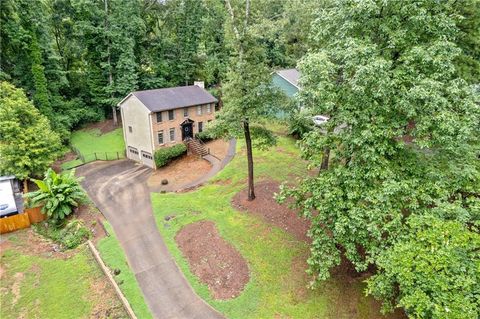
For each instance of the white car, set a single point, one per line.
(7, 199)
(319, 120)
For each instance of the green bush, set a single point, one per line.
(204, 136)
(164, 155)
(68, 235)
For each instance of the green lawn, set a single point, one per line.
(92, 141)
(93, 145)
(38, 286)
(114, 257)
(276, 288)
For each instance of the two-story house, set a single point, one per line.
(158, 118)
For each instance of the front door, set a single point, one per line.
(187, 131)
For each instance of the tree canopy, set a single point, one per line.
(403, 132)
(27, 143)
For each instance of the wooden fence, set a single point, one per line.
(20, 221)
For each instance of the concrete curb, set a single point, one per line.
(119, 293)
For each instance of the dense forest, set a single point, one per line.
(76, 59)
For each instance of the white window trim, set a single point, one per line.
(185, 108)
(170, 134)
(199, 110)
(163, 138)
(173, 119)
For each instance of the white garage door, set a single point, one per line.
(133, 153)
(147, 159)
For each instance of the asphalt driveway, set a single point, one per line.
(120, 191)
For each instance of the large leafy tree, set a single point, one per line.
(247, 95)
(403, 127)
(27, 143)
(434, 268)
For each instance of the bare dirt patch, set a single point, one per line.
(212, 259)
(218, 148)
(179, 172)
(272, 212)
(92, 219)
(104, 126)
(57, 165)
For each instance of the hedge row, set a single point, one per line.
(167, 154)
(204, 136)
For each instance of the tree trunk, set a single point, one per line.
(325, 159)
(248, 142)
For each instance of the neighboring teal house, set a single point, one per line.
(287, 81)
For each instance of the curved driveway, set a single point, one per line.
(120, 191)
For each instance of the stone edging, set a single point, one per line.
(119, 293)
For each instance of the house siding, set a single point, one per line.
(179, 117)
(137, 117)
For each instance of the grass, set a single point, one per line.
(93, 145)
(276, 288)
(92, 141)
(114, 257)
(39, 287)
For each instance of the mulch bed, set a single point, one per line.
(213, 260)
(271, 211)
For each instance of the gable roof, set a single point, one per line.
(290, 75)
(172, 98)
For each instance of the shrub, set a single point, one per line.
(164, 155)
(58, 193)
(204, 136)
(68, 235)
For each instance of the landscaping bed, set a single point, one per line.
(213, 260)
(179, 172)
(271, 211)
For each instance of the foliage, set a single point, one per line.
(204, 136)
(69, 235)
(166, 154)
(28, 145)
(114, 257)
(386, 72)
(300, 123)
(58, 194)
(435, 269)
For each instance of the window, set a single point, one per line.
(130, 129)
(185, 112)
(160, 137)
(172, 134)
(159, 117)
(147, 155)
(200, 127)
(171, 115)
(209, 108)
(199, 110)
(133, 150)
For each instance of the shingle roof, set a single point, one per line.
(291, 75)
(173, 98)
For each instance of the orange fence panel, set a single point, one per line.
(12, 223)
(35, 214)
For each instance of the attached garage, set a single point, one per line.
(133, 154)
(147, 159)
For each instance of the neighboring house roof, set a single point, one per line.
(172, 98)
(290, 75)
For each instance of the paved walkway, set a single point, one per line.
(119, 189)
